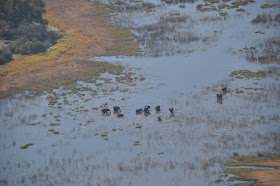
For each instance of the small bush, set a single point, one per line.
(5, 56)
(26, 47)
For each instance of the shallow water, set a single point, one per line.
(187, 148)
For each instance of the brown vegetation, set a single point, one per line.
(259, 176)
(86, 33)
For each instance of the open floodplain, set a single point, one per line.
(190, 51)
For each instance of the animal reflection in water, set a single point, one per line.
(146, 111)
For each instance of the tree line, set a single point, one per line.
(23, 29)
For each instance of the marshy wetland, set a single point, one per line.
(190, 50)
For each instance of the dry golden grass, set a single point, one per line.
(263, 177)
(86, 34)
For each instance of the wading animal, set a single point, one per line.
(224, 90)
(147, 109)
(120, 115)
(157, 108)
(159, 118)
(106, 111)
(171, 109)
(139, 111)
(117, 109)
(219, 96)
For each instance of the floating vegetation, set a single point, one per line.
(259, 32)
(160, 153)
(268, 6)
(240, 10)
(239, 91)
(202, 8)
(114, 130)
(51, 130)
(26, 146)
(56, 132)
(44, 115)
(136, 143)
(124, 90)
(247, 74)
(211, 7)
(242, 3)
(57, 116)
(250, 88)
(54, 124)
(98, 84)
(32, 124)
(222, 6)
(104, 134)
(212, 1)
(223, 13)
(124, 79)
(138, 126)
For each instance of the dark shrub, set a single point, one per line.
(5, 56)
(27, 47)
(277, 18)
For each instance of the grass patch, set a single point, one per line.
(26, 146)
(257, 176)
(64, 63)
(268, 6)
(56, 132)
(239, 74)
(32, 124)
(223, 13)
(54, 124)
